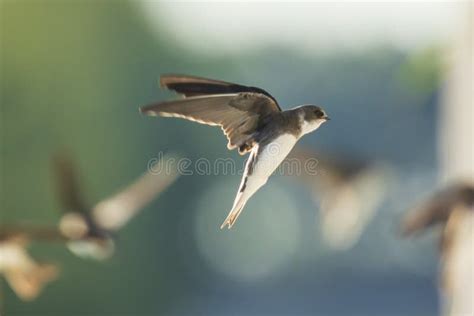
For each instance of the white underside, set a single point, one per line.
(267, 161)
(92, 249)
(272, 155)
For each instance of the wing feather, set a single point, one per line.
(67, 184)
(238, 114)
(191, 86)
(437, 209)
(114, 212)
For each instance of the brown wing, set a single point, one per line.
(28, 232)
(190, 86)
(438, 208)
(239, 115)
(67, 184)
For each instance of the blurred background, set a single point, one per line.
(73, 75)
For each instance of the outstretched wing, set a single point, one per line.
(239, 114)
(190, 86)
(28, 232)
(115, 211)
(67, 184)
(438, 208)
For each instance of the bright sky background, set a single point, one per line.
(225, 27)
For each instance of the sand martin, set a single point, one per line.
(453, 209)
(24, 274)
(90, 230)
(348, 192)
(251, 119)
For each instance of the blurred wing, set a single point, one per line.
(30, 233)
(437, 209)
(190, 86)
(239, 115)
(429, 213)
(117, 210)
(67, 184)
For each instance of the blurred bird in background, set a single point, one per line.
(452, 208)
(90, 230)
(26, 276)
(348, 193)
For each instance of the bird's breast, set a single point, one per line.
(273, 153)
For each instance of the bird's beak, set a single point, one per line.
(327, 118)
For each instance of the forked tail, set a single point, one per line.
(234, 213)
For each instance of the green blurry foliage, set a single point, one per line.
(422, 72)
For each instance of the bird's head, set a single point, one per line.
(314, 113)
(312, 116)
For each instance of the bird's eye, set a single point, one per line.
(319, 113)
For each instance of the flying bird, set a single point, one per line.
(452, 209)
(348, 193)
(90, 230)
(250, 118)
(26, 276)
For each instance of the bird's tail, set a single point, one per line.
(235, 212)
